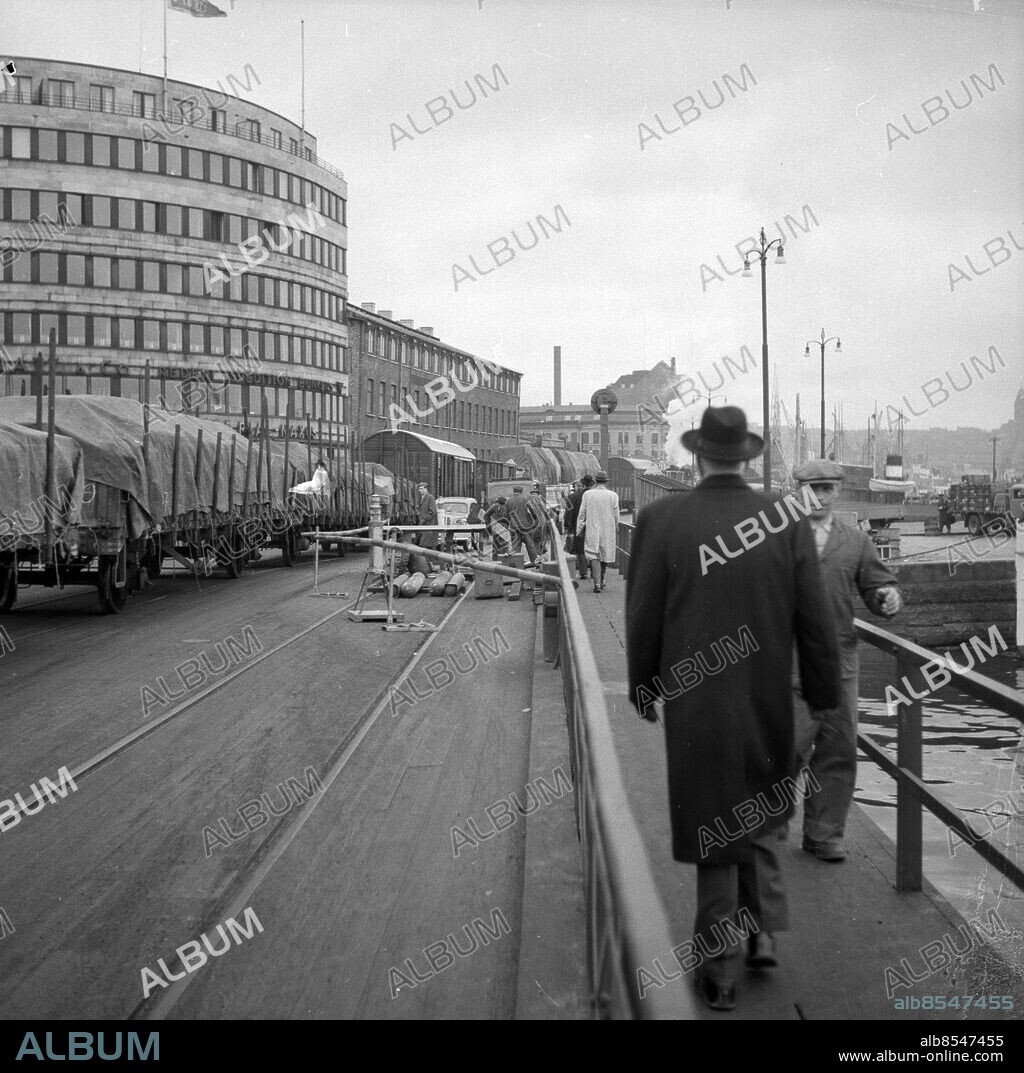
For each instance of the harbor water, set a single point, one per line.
(973, 758)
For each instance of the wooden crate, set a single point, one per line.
(488, 587)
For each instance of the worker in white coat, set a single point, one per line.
(319, 484)
(599, 513)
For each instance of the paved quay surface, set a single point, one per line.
(848, 923)
(355, 880)
(958, 547)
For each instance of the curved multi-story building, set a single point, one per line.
(164, 223)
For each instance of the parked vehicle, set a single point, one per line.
(451, 510)
(984, 505)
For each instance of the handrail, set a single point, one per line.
(911, 791)
(55, 101)
(627, 927)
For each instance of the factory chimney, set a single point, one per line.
(558, 376)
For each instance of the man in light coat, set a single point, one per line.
(722, 580)
(826, 740)
(599, 513)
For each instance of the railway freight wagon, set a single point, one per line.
(446, 468)
(652, 486)
(157, 485)
(488, 470)
(622, 474)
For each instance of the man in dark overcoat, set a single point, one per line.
(722, 581)
(571, 519)
(522, 520)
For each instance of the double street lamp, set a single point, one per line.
(822, 342)
(762, 256)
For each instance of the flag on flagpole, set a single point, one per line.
(199, 9)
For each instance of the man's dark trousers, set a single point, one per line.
(760, 892)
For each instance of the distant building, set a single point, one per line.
(636, 428)
(393, 362)
(1013, 433)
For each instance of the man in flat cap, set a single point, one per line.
(826, 740)
(721, 582)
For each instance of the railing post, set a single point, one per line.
(376, 532)
(1019, 526)
(552, 599)
(908, 756)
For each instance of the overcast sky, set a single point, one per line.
(620, 286)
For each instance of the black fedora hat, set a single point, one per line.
(723, 436)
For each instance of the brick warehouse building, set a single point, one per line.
(112, 207)
(394, 362)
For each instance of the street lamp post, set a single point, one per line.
(822, 342)
(762, 256)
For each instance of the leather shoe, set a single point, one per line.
(761, 951)
(717, 996)
(824, 851)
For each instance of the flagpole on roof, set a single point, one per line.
(164, 108)
(302, 142)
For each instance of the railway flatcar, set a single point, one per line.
(178, 487)
(552, 465)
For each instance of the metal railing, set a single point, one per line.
(626, 924)
(911, 792)
(56, 100)
(623, 548)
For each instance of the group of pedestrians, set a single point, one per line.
(592, 520)
(726, 579)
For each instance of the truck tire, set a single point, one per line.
(8, 587)
(973, 524)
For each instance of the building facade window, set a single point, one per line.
(21, 143)
(101, 98)
(21, 91)
(62, 93)
(144, 104)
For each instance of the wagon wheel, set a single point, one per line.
(289, 547)
(8, 587)
(233, 561)
(112, 598)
